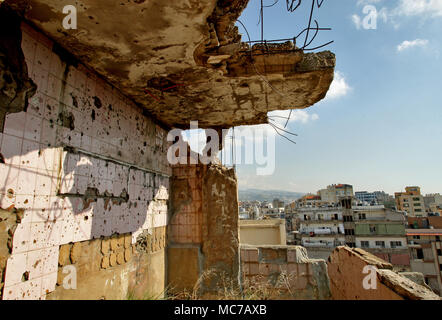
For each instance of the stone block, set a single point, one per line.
(253, 255)
(113, 259)
(120, 256)
(64, 255)
(245, 269)
(254, 268)
(114, 243)
(264, 269)
(183, 267)
(269, 254)
(127, 241)
(128, 254)
(291, 255)
(105, 262)
(76, 252)
(105, 246)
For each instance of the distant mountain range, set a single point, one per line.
(268, 195)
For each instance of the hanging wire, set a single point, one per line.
(283, 130)
(276, 130)
(292, 6)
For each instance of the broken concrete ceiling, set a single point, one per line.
(183, 60)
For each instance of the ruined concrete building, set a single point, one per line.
(86, 187)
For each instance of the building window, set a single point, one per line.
(372, 229)
(349, 232)
(439, 252)
(416, 199)
(437, 238)
(417, 204)
(416, 237)
(395, 244)
(365, 244)
(380, 244)
(419, 254)
(362, 216)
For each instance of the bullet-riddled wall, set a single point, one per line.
(80, 162)
(203, 246)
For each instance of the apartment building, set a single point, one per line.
(333, 193)
(411, 201)
(426, 254)
(321, 227)
(372, 227)
(309, 201)
(364, 196)
(278, 203)
(382, 232)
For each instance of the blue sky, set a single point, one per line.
(380, 127)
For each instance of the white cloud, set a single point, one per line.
(364, 2)
(339, 87)
(400, 9)
(196, 139)
(410, 44)
(299, 115)
(419, 7)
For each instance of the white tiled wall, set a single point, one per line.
(120, 149)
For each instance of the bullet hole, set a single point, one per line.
(110, 107)
(86, 218)
(25, 276)
(97, 102)
(93, 115)
(74, 101)
(67, 120)
(2, 158)
(10, 193)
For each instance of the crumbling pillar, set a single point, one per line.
(203, 249)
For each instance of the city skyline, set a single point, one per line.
(379, 125)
